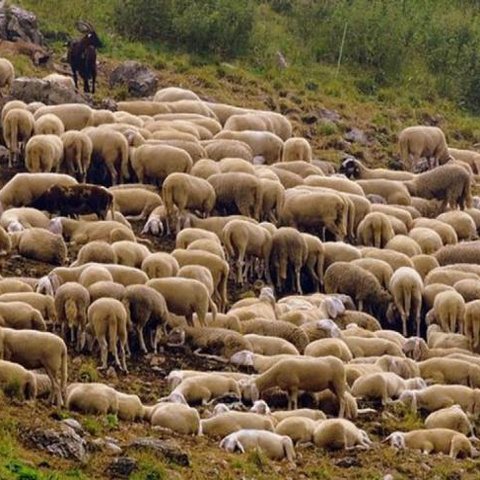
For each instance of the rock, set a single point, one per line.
(38, 90)
(17, 23)
(72, 423)
(63, 442)
(139, 79)
(122, 467)
(356, 135)
(348, 462)
(327, 114)
(112, 449)
(169, 450)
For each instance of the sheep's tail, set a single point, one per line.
(280, 200)
(112, 332)
(71, 312)
(13, 137)
(167, 195)
(227, 241)
(126, 304)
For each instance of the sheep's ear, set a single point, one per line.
(331, 307)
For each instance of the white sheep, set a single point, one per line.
(43, 153)
(77, 153)
(340, 433)
(17, 127)
(49, 124)
(7, 74)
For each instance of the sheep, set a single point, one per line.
(353, 168)
(159, 265)
(43, 303)
(273, 194)
(436, 440)
(33, 349)
(403, 367)
(406, 287)
(436, 338)
(173, 94)
(424, 264)
(43, 153)
(77, 154)
(157, 162)
(185, 296)
(108, 317)
(296, 148)
(466, 252)
(9, 285)
(461, 222)
(71, 303)
(15, 378)
(340, 252)
(405, 245)
(398, 211)
(106, 288)
(265, 144)
(93, 274)
(210, 246)
(110, 150)
(449, 310)
(39, 244)
(7, 74)
(82, 232)
(218, 149)
(21, 316)
(380, 269)
(49, 124)
(229, 422)
(450, 184)
(289, 248)
(339, 184)
(145, 307)
(469, 289)
(339, 434)
(453, 418)
(18, 126)
(266, 345)
(450, 371)
(189, 235)
(448, 277)
(129, 253)
(428, 240)
(274, 446)
(394, 192)
(176, 417)
(446, 232)
(184, 191)
(362, 286)
(60, 80)
(10, 105)
(138, 203)
(299, 429)
(176, 377)
(372, 347)
(93, 398)
(468, 156)
(420, 141)
(328, 346)
(97, 251)
(73, 115)
(205, 168)
(306, 374)
(471, 322)
(375, 230)
(243, 239)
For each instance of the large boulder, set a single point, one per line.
(19, 24)
(140, 80)
(38, 90)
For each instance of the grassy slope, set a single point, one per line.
(301, 91)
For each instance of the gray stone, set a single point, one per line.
(169, 450)
(63, 442)
(38, 90)
(357, 136)
(122, 467)
(140, 80)
(72, 423)
(17, 23)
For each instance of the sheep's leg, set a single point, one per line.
(298, 286)
(113, 173)
(476, 333)
(143, 347)
(115, 356)
(360, 305)
(122, 356)
(293, 399)
(103, 352)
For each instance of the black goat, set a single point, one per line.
(82, 55)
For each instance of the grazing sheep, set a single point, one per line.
(405, 245)
(77, 154)
(394, 192)
(93, 398)
(375, 230)
(131, 254)
(15, 378)
(39, 244)
(461, 222)
(393, 258)
(450, 371)
(424, 264)
(372, 347)
(449, 310)
(228, 422)
(436, 440)
(73, 115)
(420, 141)
(7, 74)
(266, 345)
(160, 265)
(328, 346)
(465, 252)
(471, 321)
(21, 316)
(176, 417)
(299, 429)
(353, 168)
(49, 124)
(17, 126)
(43, 153)
(274, 446)
(15, 219)
(107, 289)
(97, 251)
(453, 418)
(340, 252)
(436, 338)
(43, 303)
(107, 318)
(33, 349)
(218, 149)
(382, 270)
(71, 303)
(339, 433)
(296, 148)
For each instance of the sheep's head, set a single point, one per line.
(244, 357)
(56, 226)
(261, 407)
(416, 348)
(328, 326)
(15, 226)
(231, 444)
(177, 397)
(220, 408)
(350, 167)
(266, 293)
(176, 337)
(397, 439)
(334, 306)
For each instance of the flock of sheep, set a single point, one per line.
(378, 252)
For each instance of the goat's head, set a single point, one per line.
(91, 36)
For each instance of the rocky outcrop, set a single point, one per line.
(19, 24)
(139, 79)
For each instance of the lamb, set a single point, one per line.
(328, 346)
(420, 141)
(274, 446)
(160, 265)
(289, 248)
(380, 269)
(244, 239)
(33, 349)
(225, 342)
(71, 303)
(449, 310)
(17, 125)
(353, 168)
(184, 191)
(157, 162)
(393, 258)
(43, 153)
(306, 374)
(15, 378)
(24, 188)
(61, 80)
(77, 154)
(7, 74)
(406, 287)
(471, 322)
(340, 252)
(436, 440)
(93, 274)
(110, 149)
(296, 148)
(185, 296)
(219, 149)
(299, 429)
(340, 434)
(73, 115)
(145, 307)
(49, 124)
(450, 184)
(15, 219)
(375, 230)
(107, 317)
(177, 417)
(241, 190)
(229, 422)
(453, 418)
(394, 192)
(39, 244)
(131, 254)
(362, 286)
(93, 398)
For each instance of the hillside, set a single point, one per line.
(340, 111)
